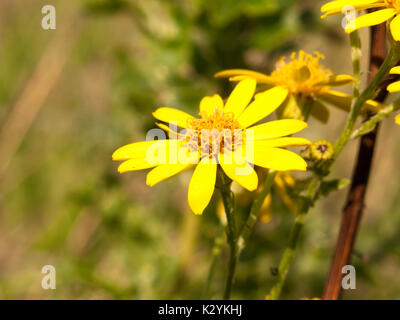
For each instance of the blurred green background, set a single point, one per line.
(110, 236)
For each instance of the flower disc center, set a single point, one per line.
(395, 4)
(213, 133)
(302, 73)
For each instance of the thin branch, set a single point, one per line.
(355, 202)
(373, 121)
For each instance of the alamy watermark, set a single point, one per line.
(49, 20)
(349, 280)
(350, 15)
(49, 280)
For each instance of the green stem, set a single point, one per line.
(294, 237)
(370, 124)
(369, 93)
(355, 44)
(216, 251)
(233, 257)
(231, 231)
(247, 227)
(313, 190)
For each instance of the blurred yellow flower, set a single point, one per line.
(309, 84)
(282, 183)
(387, 9)
(320, 150)
(397, 119)
(224, 136)
(395, 86)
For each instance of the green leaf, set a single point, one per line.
(333, 185)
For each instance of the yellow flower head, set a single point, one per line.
(320, 150)
(224, 135)
(395, 87)
(386, 10)
(308, 82)
(303, 74)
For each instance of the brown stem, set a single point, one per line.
(353, 209)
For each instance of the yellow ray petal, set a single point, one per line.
(232, 73)
(394, 87)
(158, 152)
(335, 7)
(201, 186)
(337, 80)
(277, 128)
(239, 170)
(171, 130)
(319, 111)
(278, 159)
(395, 28)
(370, 19)
(395, 70)
(239, 78)
(164, 172)
(265, 104)
(265, 213)
(135, 165)
(338, 99)
(379, 5)
(372, 105)
(178, 117)
(281, 143)
(240, 97)
(135, 150)
(209, 104)
(397, 119)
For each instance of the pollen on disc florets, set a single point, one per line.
(393, 4)
(302, 74)
(213, 133)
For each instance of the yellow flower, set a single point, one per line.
(224, 136)
(395, 86)
(320, 150)
(283, 182)
(387, 9)
(308, 82)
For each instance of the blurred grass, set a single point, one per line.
(62, 201)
